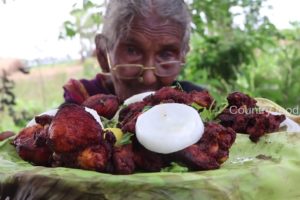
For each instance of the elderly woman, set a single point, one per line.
(142, 47)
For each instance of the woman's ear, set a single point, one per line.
(100, 42)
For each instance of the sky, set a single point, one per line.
(29, 29)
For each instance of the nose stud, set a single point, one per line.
(141, 79)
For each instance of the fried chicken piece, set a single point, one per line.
(43, 119)
(95, 157)
(260, 124)
(234, 119)
(32, 149)
(167, 93)
(65, 160)
(129, 115)
(211, 150)
(106, 105)
(73, 129)
(202, 98)
(6, 134)
(130, 125)
(217, 140)
(123, 159)
(196, 159)
(148, 160)
(131, 110)
(239, 99)
(243, 116)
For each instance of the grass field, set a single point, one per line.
(41, 89)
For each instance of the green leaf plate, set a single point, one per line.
(269, 169)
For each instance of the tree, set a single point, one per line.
(84, 25)
(218, 44)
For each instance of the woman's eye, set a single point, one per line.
(166, 55)
(132, 51)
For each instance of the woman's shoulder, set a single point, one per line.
(189, 86)
(76, 91)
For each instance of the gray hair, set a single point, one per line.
(120, 13)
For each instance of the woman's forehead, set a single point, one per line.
(165, 32)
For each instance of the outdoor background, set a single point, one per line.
(252, 46)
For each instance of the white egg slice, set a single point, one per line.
(54, 111)
(95, 115)
(170, 127)
(137, 97)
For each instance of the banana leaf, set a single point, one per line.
(269, 169)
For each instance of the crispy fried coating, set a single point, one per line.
(239, 99)
(32, 149)
(129, 114)
(95, 157)
(260, 124)
(43, 119)
(202, 98)
(123, 159)
(146, 160)
(6, 134)
(168, 93)
(106, 105)
(243, 116)
(65, 159)
(72, 129)
(211, 150)
(196, 159)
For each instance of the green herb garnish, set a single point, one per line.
(175, 167)
(109, 123)
(146, 108)
(126, 139)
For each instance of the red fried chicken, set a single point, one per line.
(31, 145)
(73, 129)
(106, 105)
(243, 116)
(211, 150)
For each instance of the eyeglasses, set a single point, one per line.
(134, 71)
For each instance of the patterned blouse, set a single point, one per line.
(77, 91)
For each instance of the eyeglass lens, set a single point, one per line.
(134, 71)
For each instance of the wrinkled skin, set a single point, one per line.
(149, 41)
(72, 129)
(105, 105)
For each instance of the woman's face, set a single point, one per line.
(148, 42)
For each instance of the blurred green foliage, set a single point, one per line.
(84, 24)
(252, 57)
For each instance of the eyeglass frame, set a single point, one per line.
(143, 67)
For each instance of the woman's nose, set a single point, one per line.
(149, 77)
